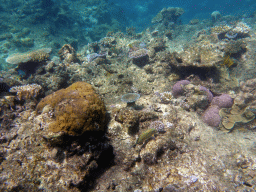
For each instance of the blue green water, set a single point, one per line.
(31, 24)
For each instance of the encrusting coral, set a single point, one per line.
(76, 109)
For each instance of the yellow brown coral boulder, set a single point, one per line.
(76, 109)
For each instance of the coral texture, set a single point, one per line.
(68, 54)
(211, 116)
(208, 93)
(138, 53)
(77, 109)
(222, 101)
(177, 89)
(32, 56)
(26, 91)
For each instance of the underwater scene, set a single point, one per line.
(127, 96)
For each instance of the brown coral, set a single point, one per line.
(68, 54)
(77, 109)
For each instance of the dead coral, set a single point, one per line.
(129, 118)
(68, 54)
(201, 55)
(235, 48)
(158, 44)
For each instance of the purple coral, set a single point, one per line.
(222, 101)
(211, 116)
(208, 93)
(177, 89)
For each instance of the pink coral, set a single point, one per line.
(177, 89)
(222, 101)
(211, 116)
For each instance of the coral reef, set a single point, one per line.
(168, 15)
(234, 115)
(178, 89)
(200, 56)
(25, 92)
(140, 56)
(76, 109)
(165, 97)
(130, 98)
(129, 118)
(68, 54)
(221, 30)
(192, 80)
(157, 125)
(235, 48)
(222, 101)
(216, 15)
(242, 29)
(211, 116)
(208, 93)
(38, 55)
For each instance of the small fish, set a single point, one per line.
(145, 136)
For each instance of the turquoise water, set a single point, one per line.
(80, 22)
